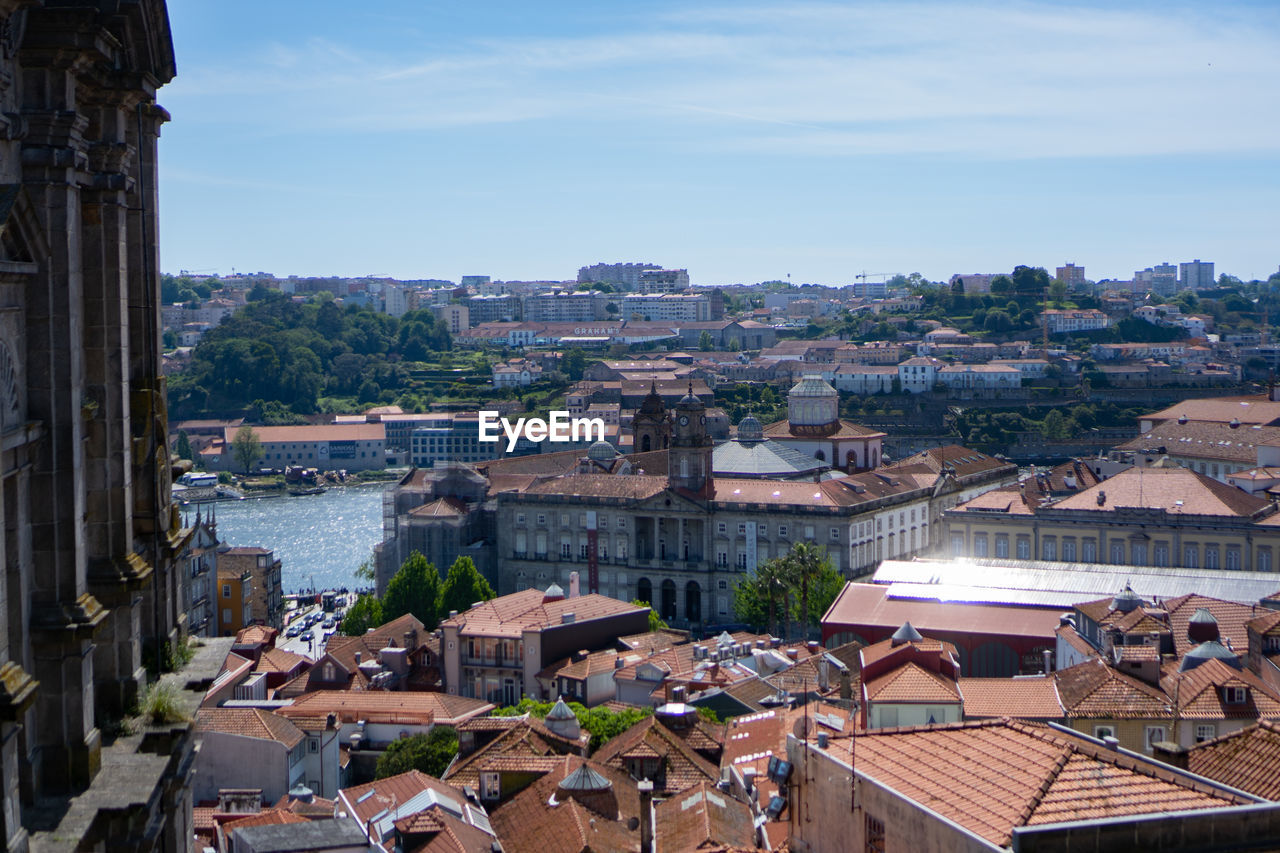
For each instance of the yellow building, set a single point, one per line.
(235, 590)
(1141, 517)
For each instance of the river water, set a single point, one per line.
(319, 539)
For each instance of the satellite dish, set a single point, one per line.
(801, 728)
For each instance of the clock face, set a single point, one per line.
(704, 420)
(684, 420)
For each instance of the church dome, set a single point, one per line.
(602, 451)
(812, 386)
(690, 400)
(652, 403)
(749, 429)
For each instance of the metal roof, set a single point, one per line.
(1058, 584)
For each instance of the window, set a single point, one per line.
(1264, 560)
(742, 530)
(979, 544)
(1139, 550)
(565, 550)
(520, 518)
(722, 559)
(1002, 544)
(1191, 557)
(835, 534)
(1069, 550)
(957, 544)
(583, 550)
(1162, 554)
(1154, 734)
(226, 590)
(873, 833)
(1049, 549)
(1272, 644)
(1024, 548)
(542, 519)
(564, 519)
(1117, 553)
(742, 561)
(808, 532)
(1101, 732)
(490, 785)
(1211, 556)
(1089, 551)
(1233, 559)
(782, 530)
(721, 527)
(313, 744)
(1204, 732)
(1235, 695)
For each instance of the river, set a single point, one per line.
(322, 537)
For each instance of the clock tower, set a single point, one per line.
(689, 459)
(651, 428)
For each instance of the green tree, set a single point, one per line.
(183, 446)
(362, 615)
(414, 589)
(1001, 285)
(704, 341)
(1055, 425)
(601, 723)
(463, 587)
(246, 447)
(734, 345)
(1057, 292)
(429, 753)
(998, 321)
(573, 363)
(655, 621)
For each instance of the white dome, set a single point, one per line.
(601, 451)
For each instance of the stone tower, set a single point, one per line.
(90, 535)
(689, 459)
(651, 427)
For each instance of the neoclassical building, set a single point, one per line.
(90, 536)
(683, 540)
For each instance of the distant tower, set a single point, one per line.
(689, 459)
(651, 427)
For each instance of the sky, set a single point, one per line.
(744, 142)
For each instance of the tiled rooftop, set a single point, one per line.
(399, 706)
(511, 615)
(1094, 690)
(1248, 759)
(1175, 490)
(249, 722)
(911, 683)
(1033, 698)
(992, 777)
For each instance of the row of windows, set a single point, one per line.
(1136, 553)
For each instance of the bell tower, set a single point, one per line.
(651, 428)
(689, 459)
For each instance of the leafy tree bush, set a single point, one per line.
(463, 587)
(602, 723)
(429, 753)
(414, 589)
(364, 614)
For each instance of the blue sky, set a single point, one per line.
(743, 141)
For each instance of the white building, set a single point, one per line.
(667, 307)
(1197, 275)
(919, 374)
(1061, 321)
(864, 379)
(979, 377)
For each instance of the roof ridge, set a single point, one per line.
(1051, 776)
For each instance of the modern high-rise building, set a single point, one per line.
(1070, 275)
(625, 276)
(1197, 275)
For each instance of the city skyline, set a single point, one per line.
(744, 142)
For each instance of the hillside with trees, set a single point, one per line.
(285, 356)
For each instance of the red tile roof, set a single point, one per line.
(1175, 490)
(992, 777)
(1094, 690)
(911, 683)
(249, 722)
(382, 706)
(1033, 698)
(1248, 759)
(511, 615)
(1199, 693)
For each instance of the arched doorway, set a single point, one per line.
(646, 444)
(693, 602)
(668, 611)
(644, 591)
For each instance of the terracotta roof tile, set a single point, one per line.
(992, 777)
(543, 818)
(249, 722)
(701, 816)
(1033, 698)
(1199, 693)
(911, 683)
(682, 765)
(1093, 689)
(1248, 759)
(1175, 490)
(387, 706)
(511, 615)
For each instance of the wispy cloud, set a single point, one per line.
(974, 79)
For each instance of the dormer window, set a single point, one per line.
(328, 672)
(1235, 695)
(1273, 644)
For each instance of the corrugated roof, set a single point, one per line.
(869, 605)
(1089, 581)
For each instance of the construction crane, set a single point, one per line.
(864, 275)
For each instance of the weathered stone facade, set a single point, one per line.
(90, 533)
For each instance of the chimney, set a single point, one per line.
(812, 646)
(1170, 753)
(749, 779)
(411, 639)
(793, 654)
(574, 589)
(645, 788)
(846, 685)
(824, 673)
(358, 656)
(822, 740)
(567, 618)
(331, 721)
(1048, 661)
